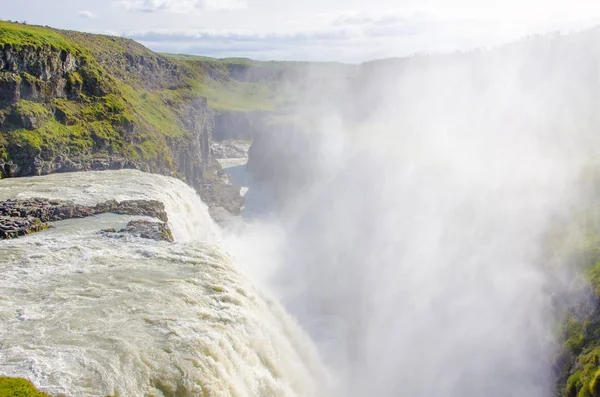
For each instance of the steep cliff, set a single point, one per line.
(72, 101)
(239, 125)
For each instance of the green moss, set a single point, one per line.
(595, 383)
(108, 107)
(585, 382)
(30, 78)
(66, 112)
(572, 384)
(29, 140)
(593, 275)
(3, 152)
(31, 109)
(17, 387)
(52, 139)
(574, 337)
(75, 79)
(587, 385)
(166, 234)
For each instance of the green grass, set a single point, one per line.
(18, 35)
(32, 109)
(17, 387)
(236, 96)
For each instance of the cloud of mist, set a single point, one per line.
(414, 255)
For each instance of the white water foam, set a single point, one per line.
(82, 314)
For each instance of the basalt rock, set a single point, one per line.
(151, 208)
(13, 227)
(33, 73)
(230, 149)
(21, 217)
(158, 231)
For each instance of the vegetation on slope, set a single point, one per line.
(118, 97)
(17, 387)
(578, 361)
(94, 112)
(582, 342)
(216, 80)
(18, 35)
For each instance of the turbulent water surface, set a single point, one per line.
(84, 314)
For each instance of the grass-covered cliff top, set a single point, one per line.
(198, 73)
(17, 35)
(66, 93)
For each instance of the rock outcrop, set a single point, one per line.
(15, 226)
(158, 231)
(230, 149)
(22, 217)
(48, 210)
(40, 74)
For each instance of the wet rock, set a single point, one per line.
(230, 149)
(223, 196)
(158, 231)
(151, 208)
(20, 217)
(13, 227)
(221, 216)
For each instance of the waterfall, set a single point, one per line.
(83, 314)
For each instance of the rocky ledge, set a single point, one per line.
(145, 229)
(13, 227)
(22, 217)
(230, 149)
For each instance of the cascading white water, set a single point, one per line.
(84, 314)
(188, 216)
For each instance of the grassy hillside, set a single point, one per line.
(119, 97)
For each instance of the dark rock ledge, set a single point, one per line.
(145, 229)
(22, 217)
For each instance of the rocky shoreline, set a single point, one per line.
(23, 217)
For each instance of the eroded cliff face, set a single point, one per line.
(239, 125)
(38, 74)
(200, 167)
(67, 111)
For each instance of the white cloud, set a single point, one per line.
(86, 14)
(351, 41)
(181, 6)
(349, 37)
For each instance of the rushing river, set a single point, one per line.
(83, 314)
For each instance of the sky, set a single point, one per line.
(313, 30)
